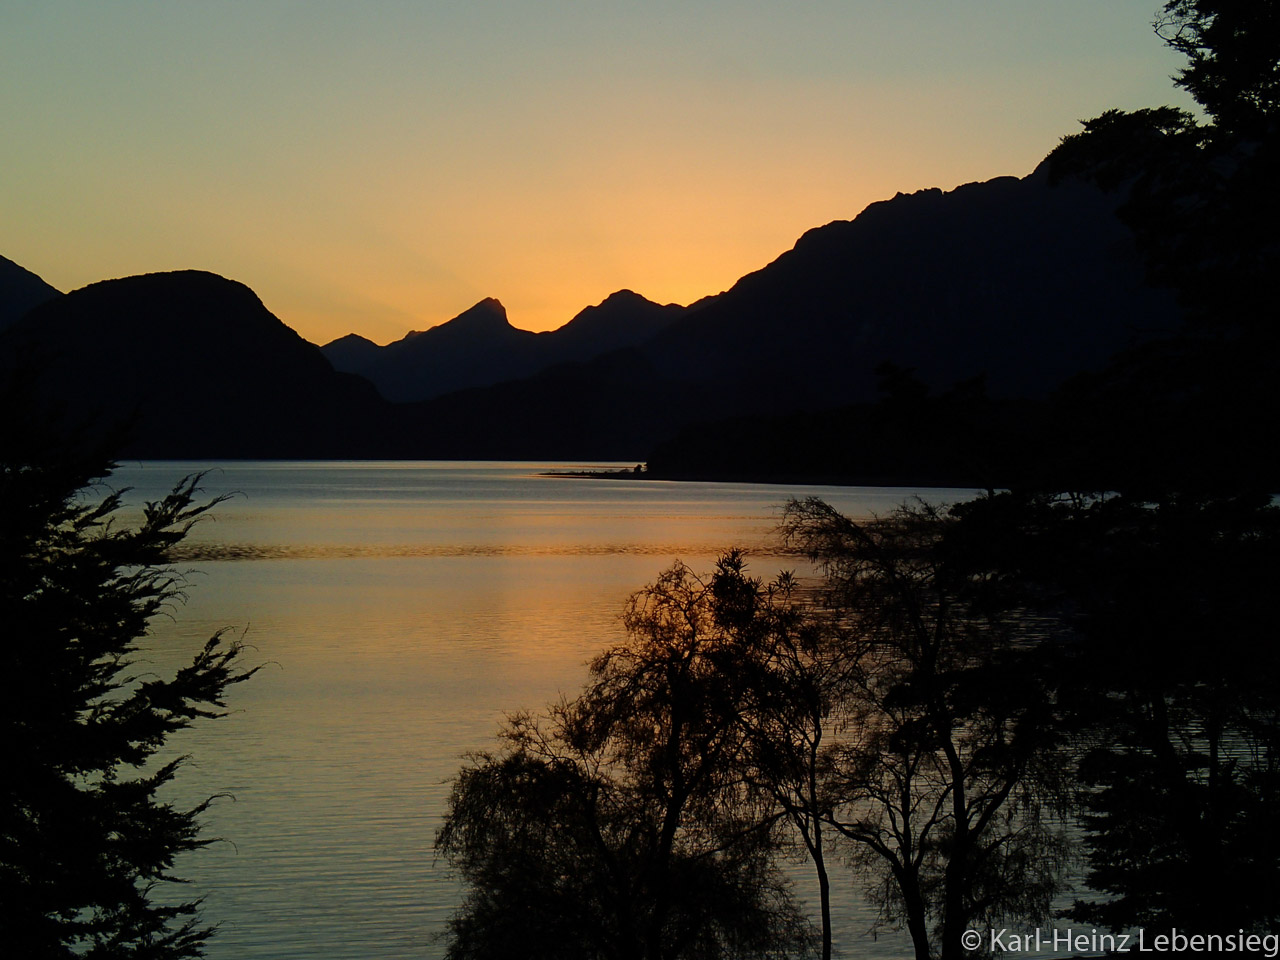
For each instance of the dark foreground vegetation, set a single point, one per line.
(964, 686)
(1083, 666)
(87, 840)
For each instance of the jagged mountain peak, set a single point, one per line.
(622, 308)
(488, 312)
(350, 338)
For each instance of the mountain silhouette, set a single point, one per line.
(476, 348)
(193, 365)
(1016, 281)
(623, 319)
(1017, 284)
(1020, 281)
(480, 347)
(352, 353)
(20, 291)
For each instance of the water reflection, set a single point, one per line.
(405, 608)
(197, 552)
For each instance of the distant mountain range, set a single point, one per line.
(1013, 280)
(1016, 281)
(479, 347)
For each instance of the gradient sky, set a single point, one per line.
(380, 165)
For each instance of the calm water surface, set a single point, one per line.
(401, 610)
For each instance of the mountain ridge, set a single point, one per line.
(479, 347)
(1015, 283)
(1025, 282)
(191, 364)
(21, 291)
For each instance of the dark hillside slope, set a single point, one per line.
(476, 348)
(615, 408)
(1020, 282)
(1016, 280)
(623, 319)
(20, 291)
(199, 367)
(352, 354)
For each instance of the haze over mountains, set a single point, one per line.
(1014, 280)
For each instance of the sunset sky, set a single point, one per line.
(379, 166)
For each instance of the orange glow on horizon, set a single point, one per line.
(380, 169)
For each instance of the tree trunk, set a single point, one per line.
(824, 888)
(956, 876)
(917, 926)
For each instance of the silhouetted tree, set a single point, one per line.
(87, 842)
(945, 776)
(624, 823)
(789, 667)
(1170, 692)
(1198, 411)
(1233, 53)
(1146, 148)
(1201, 198)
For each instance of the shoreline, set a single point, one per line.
(803, 480)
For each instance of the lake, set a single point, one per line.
(401, 610)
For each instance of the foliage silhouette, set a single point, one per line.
(623, 824)
(87, 842)
(1169, 580)
(947, 778)
(1197, 412)
(1232, 48)
(1169, 695)
(790, 667)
